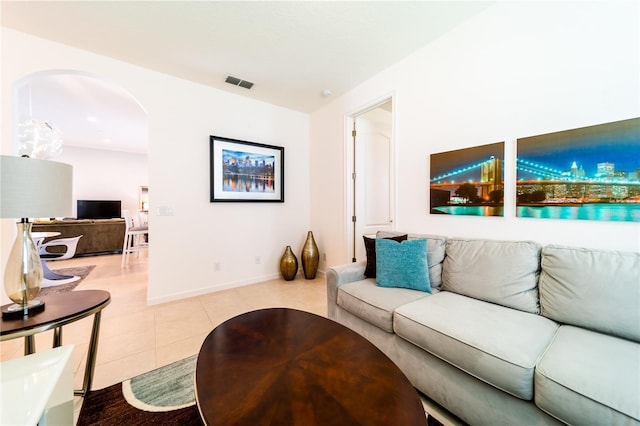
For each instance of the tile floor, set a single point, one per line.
(136, 338)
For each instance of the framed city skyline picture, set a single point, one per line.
(245, 171)
(468, 181)
(588, 173)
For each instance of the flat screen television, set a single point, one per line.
(98, 209)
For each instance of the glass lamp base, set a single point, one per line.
(18, 311)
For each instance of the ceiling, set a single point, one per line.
(88, 112)
(291, 51)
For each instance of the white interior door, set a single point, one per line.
(373, 175)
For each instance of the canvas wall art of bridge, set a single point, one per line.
(585, 173)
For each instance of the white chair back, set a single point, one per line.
(135, 237)
(143, 218)
(128, 219)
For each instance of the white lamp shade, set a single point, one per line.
(34, 188)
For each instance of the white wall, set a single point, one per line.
(517, 69)
(106, 175)
(181, 116)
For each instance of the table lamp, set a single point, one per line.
(30, 188)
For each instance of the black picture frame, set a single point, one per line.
(243, 171)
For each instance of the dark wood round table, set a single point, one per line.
(288, 367)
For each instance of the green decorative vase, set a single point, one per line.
(310, 257)
(288, 264)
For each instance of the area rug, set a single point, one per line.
(163, 396)
(163, 389)
(78, 271)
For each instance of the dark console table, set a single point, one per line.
(61, 309)
(98, 235)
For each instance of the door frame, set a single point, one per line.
(349, 149)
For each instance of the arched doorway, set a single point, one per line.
(104, 131)
(103, 127)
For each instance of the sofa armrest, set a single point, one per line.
(337, 276)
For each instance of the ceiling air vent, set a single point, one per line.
(239, 82)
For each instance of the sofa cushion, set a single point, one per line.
(375, 304)
(495, 344)
(435, 253)
(502, 272)
(370, 249)
(402, 264)
(585, 375)
(594, 289)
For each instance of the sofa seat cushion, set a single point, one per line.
(498, 345)
(585, 375)
(375, 304)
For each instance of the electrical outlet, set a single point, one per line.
(216, 266)
(258, 260)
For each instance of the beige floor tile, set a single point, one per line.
(78, 331)
(123, 369)
(79, 357)
(220, 313)
(181, 310)
(180, 349)
(174, 331)
(11, 349)
(126, 344)
(133, 322)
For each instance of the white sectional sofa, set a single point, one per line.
(512, 333)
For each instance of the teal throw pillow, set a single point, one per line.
(402, 264)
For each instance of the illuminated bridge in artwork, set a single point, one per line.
(530, 172)
(485, 175)
(531, 176)
(573, 183)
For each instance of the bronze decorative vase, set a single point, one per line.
(310, 257)
(288, 264)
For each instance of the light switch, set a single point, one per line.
(165, 211)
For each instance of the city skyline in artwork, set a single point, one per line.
(247, 159)
(586, 173)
